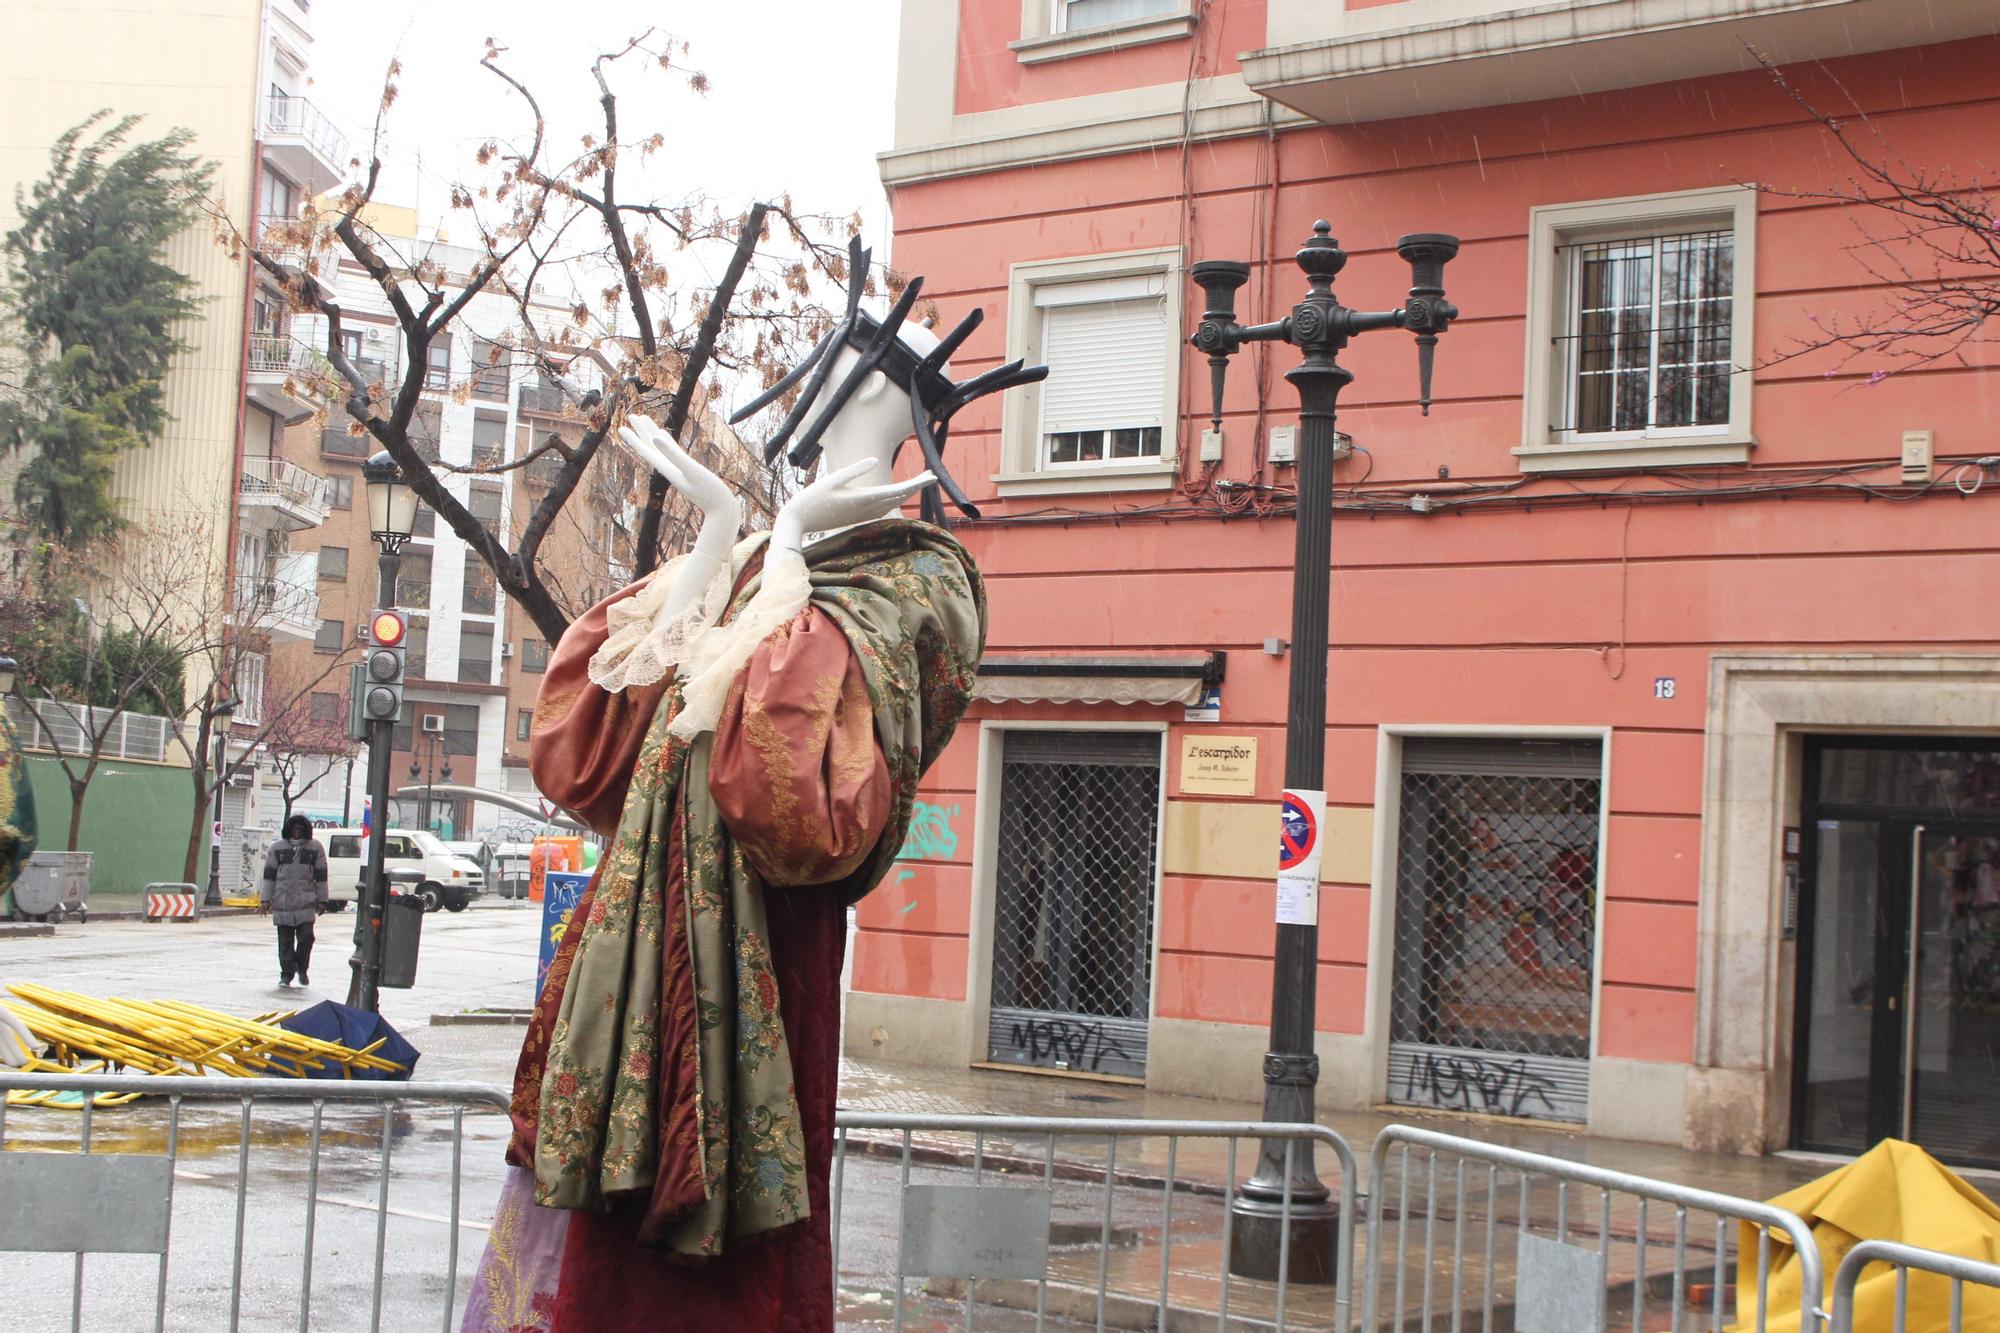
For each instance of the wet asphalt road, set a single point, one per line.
(239, 1218)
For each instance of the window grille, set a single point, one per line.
(1496, 924)
(1648, 340)
(1073, 912)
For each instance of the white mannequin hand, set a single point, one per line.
(720, 508)
(722, 512)
(832, 501)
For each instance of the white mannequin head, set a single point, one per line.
(875, 421)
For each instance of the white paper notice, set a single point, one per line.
(1301, 816)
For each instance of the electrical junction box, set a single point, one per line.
(1284, 445)
(1211, 446)
(1916, 455)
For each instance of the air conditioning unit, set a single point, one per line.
(506, 650)
(434, 724)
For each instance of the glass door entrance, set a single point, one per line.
(1899, 951)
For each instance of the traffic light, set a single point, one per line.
(382, 676)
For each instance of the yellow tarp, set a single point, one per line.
(1895, 1191)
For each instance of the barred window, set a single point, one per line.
(1650, 334)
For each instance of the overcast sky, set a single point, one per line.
(801, 93)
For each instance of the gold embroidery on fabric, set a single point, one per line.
(551, 709)
(854, 750)
(768, 743)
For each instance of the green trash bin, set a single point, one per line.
(402, 927)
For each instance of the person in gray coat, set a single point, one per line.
(294, 892)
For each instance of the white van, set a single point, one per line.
(449, 881)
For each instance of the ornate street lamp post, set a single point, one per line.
(392, 516)
(1320, 326)
(220, 716)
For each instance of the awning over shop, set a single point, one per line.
(1099, 679)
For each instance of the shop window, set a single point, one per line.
(1496, 914)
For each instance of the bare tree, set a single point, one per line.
(1928, 236)
(565, 233)
(105, 644)
(222, 634)
(302, 745)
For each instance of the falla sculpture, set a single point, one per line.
(747, 726)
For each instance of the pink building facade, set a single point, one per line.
(1663, 742)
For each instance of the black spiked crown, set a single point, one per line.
(934, 398)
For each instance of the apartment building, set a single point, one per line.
(237, 74)
(1663, 706)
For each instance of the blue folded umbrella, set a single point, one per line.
(355, 1029)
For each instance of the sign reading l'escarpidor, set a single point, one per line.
(1219, 765)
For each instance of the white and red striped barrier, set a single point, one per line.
(172, 906)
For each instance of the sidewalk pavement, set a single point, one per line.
(869, 1085)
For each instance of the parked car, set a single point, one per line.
(449, 881)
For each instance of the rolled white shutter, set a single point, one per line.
(1105, 343)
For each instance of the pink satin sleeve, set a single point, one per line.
(796, 771)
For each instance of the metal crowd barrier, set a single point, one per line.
(1904, 1259)
(1073, 1219)
(114, 1185)
(1590, 1275)
(1049, 1201)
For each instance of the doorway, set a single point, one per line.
(1899, 948)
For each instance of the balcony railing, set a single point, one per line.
(49, 724)
(541, 397)
(284, 238)
(295, 117)
(288, 596)
(282, 354)
(277, 479)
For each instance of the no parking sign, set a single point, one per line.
(1301, 816)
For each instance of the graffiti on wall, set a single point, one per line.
(931, 836)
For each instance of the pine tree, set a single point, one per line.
(89, 307)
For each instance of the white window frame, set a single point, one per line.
(1023, 469)
(1044, 35)
(1553, 233)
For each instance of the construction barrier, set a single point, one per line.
(173, 902)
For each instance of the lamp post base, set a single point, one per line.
(1256, 1239)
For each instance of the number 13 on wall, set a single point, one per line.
(1663, 687)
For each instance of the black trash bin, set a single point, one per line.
(402, 926)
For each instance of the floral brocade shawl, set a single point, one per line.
(679, 901)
